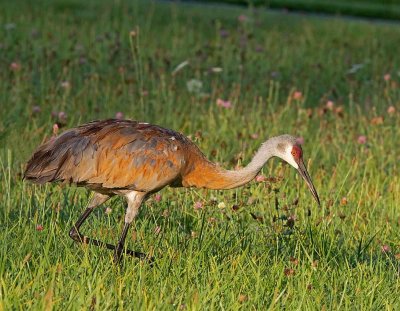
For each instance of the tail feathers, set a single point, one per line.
(46, 162)
(41, 167)
(41, 173)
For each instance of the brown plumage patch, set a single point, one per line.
(114, 154)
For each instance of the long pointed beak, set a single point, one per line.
(303, 172)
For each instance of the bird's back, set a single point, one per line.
(113, 155)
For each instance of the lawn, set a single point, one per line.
(380, 9)
(229, 78)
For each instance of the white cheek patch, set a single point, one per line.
(288, 157)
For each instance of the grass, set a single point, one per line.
(382, 9)
(333, 82)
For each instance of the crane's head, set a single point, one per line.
(288, 149)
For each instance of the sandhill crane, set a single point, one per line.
(135, 159)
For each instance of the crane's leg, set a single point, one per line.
(134, 199)
(134, 202)
(74, 233)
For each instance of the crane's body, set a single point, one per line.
(118, 156)
(135, 159)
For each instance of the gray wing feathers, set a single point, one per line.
(55, 157)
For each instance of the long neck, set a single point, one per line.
(208, 175)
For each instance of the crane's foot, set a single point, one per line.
(117, 256)
(77, 236)
(118, 250)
